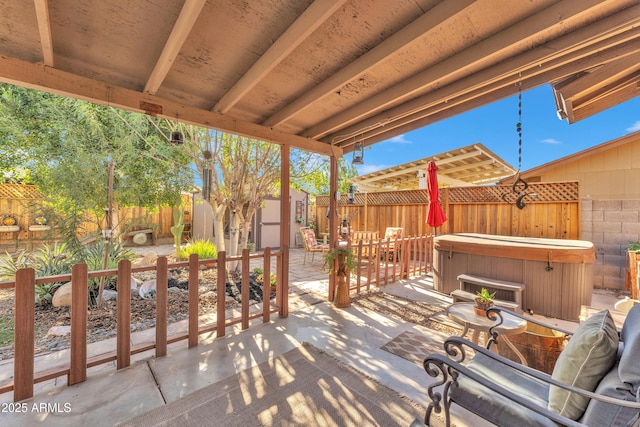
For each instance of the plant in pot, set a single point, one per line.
(484, 301)
(258, 273)
(346, 263)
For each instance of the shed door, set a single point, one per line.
(269, 225)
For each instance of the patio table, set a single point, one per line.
(463, 314)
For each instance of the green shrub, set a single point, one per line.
(46, 261)
(204, 248)
(93, 256)
(6, 331)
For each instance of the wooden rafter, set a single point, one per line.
(305, 25)
(44, 29)
(187, 18)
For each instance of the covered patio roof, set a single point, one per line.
(321, 75)
(471, 165)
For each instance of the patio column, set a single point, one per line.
(333, 215)
(285, 228)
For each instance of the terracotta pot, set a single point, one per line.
(481, 308)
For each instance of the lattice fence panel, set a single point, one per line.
(19, 191)
(545, 192)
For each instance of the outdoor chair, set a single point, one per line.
(595, 381)
(311, 243)
(391, 234)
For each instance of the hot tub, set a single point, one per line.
(557, 274)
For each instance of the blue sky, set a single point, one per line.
(544, 137)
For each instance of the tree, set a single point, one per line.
(67, 146)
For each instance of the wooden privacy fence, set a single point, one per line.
(25, 203)
(553, 213)
(75, 367)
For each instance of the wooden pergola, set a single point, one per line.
(322, 75)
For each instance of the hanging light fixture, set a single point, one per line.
(176, 137)
(358, 154)
(351, 197)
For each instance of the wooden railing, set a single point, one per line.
(25, 374)
(383, 261)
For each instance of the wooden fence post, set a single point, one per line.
(222, 294)
(244, 290)
(162, 305)
(266, 289)
(79, 320)
(194, 266)
(123, 337)
(24, 335)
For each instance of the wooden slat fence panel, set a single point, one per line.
(554, 213)
(24, 203)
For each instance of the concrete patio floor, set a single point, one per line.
(354, 336)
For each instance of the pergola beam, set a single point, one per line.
(428, 22)
(314, 16)
(482, 56)
(44, 29)
(187, 18)
(34, 76)
(536, 71)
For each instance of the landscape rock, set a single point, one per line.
(59, 331)
(108, 295)
(62, 296)
(150, 258)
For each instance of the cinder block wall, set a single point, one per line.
(610, 225)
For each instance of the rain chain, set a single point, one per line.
(519, 186)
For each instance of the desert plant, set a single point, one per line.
(93, 256)
(205, 249)
(46, 261)
(9, 265)
(177, 228)
(485, 296)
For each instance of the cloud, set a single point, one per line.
(400, 139)
(634, 127)
(550, 141)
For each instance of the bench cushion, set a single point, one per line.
(605, 414)
(498, 409)
(629, 368)
(588, 356)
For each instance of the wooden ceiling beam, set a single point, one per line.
(492, 81)
(36, 76)
(624, 93)
(185, 22)
(430, 21)
(601, 76)
(44, 29)
(485, 55)
(312, 18)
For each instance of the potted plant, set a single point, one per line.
(346, 263)
(258, 272)
(484, 301)
(346, 260)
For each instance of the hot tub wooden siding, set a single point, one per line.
(557, 274)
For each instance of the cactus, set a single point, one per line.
(177, 228)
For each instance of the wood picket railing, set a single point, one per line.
(75, 368)
(383, 261)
